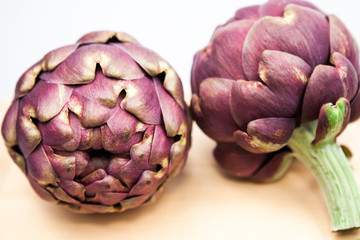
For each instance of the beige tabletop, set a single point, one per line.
(200, 203)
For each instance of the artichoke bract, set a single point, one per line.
(278, 82)
(99, 126)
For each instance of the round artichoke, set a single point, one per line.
(99, 126)
(279, 81)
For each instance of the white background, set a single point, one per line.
(173, 29)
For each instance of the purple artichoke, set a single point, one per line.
(99, 126)
(279, 81)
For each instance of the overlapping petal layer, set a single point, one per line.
(268, 69)
(99, 126)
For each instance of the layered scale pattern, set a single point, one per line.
(266, 71)
(99, 126)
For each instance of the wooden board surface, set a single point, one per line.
(200, 203)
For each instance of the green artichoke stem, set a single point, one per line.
(328, 163)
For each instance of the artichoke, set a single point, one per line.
(99, 126)
(278, 82)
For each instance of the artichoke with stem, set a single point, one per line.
(279, 81)
(99, 126)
